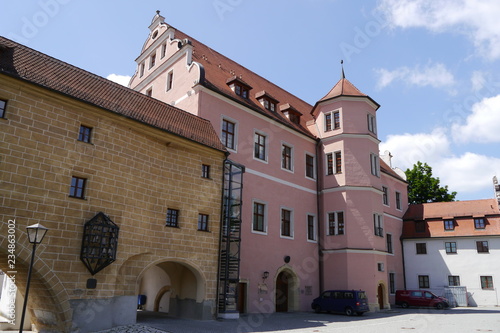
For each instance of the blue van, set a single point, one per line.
(346, 301)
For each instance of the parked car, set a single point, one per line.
(406, 298)
(346, 301)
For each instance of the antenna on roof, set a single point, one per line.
(342, 76)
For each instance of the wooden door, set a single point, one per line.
(242, 287)
(282, 292)
(380, 296)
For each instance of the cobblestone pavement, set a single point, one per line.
(457, 320)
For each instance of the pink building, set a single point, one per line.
(320, 210)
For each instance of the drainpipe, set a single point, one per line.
(319, 179)
(403, 258)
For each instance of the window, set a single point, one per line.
(421, 248)
(203, 222)
(336, 223)
(84, 134)
(380, 266)
(398, 200)
(259, 223)
(375, 165)
(260, 146)
(385, 196)
(163, 50)
(310, 166)
(392, 283)
(486, 282)
(268, 104)
(372, 125)
(482, 247)
(329, 164)
(449, 224)
(338, 162)
(3, 106)
(479, 223)
(378, 225)
(240, 90)
(77, 188)
(419, 226)
(286, 223)
(389, 243)
(152, 61)
(450, 247)
(228, 134)
(141, 70)
(205, 171)
(423, 281)
(311, 227)
(172, 218)
(453, 280)
(286, 157)
(170, 80)
(332, 121)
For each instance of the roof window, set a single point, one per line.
(240, 87)
(267, 101)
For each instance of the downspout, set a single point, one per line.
(319, 178)
(403, 258)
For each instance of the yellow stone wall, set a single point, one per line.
(134, 173)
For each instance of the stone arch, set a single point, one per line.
(184, 280)
(291, 294)
(48, 300)
(382, 297)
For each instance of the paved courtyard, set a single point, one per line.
(455, 320)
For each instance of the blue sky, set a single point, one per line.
(432, 65)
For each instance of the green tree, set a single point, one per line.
(422, 187)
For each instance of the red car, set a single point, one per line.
(424, 298)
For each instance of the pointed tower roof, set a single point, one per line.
(344, 88)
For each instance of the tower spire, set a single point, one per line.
(342, 75)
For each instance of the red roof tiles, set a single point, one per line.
(21, 62)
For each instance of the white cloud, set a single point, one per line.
(482, 125)
(478, 80)
(121, 79)
(434, 75)
(469, 174)
(477, 19)
(408, 149)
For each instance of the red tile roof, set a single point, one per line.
(21, 62)
(219, 69)
(385, 168)
(440, 210)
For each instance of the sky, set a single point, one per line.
(432, 65)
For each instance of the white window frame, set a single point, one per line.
(375, 164)
(292, 156)
(398, 200)
(372, 123)
(315, 228)
(336, 229)
(332, 124)
(385, 196)
(170, 80)
(291, 222)
(255, 201)
(378, 224)
(236, 128)
(266, 146)
(313, 166)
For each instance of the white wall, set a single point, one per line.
(467, 263)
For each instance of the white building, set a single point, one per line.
(450, 244)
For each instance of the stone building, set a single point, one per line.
(76, 147)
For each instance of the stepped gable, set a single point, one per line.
(219, 70)
(21, 62)
(441, 210)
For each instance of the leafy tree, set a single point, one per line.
(422, 187)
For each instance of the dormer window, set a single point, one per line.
(267, 101)
(291, 113)
(240, 87)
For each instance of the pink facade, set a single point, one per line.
(319, 206)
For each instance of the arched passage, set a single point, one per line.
(286, 291)
(45, 309)
(175, 287)
(381, 295)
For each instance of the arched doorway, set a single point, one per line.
(174, 288)
(286, 291)
(380, 296)
(282, 286)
